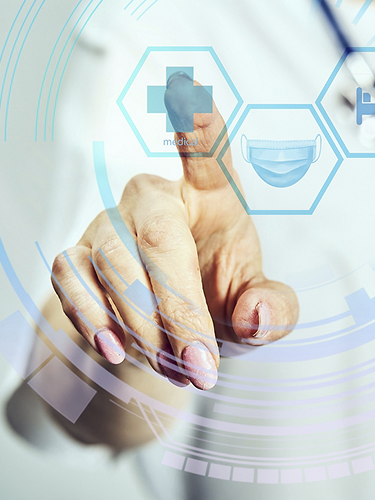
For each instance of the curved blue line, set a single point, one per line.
(113, 268)
(11, 29)
(100, 303)
(54, 336)
(327, 283)
(11, 54)
(57, 65)
(48, 64)
(15, 68)
(26, 300)
(137, 310)
(66, 63)
(149, 7)
(140, 5)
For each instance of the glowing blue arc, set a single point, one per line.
(47, 68)
(66, 64)
(15, 68)
(57, 65)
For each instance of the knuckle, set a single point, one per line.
(184, 316)
(68, 307)
(142, 186)
(144, 328)
(134, 188)
(138, 182)
(102, 219)
(79, 304)
(64, 272)
(109, 247)
(59, 265)
(159, 232)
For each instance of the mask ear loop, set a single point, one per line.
(320, 147)
(242, 149)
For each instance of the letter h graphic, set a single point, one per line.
(364, 105)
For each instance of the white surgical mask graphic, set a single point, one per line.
(281, 163)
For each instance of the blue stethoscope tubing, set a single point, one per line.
(341, 37)
(335, 25)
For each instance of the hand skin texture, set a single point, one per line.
(197, 233)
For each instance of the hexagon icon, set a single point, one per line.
(350, 74)
(142, 99)
(289, 143)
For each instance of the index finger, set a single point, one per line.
(172, 263)
(198, 145)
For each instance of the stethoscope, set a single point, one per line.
(362, 78)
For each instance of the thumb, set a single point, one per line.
(200, 136)
(265, 313)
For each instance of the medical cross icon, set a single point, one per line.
(201, 96)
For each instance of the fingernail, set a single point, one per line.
(200, 366)
(264, 327)
(264, 318)
(255, 342)
(175, 76)
(109, 346)
(169, 367)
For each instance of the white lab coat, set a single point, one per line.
(275, 53)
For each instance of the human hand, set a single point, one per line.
(194, 247)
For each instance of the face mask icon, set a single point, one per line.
(281, 163)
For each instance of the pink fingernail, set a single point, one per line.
(171, 370)
(256, 342)
(109, 346)
(200, 366)
(264, 315)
